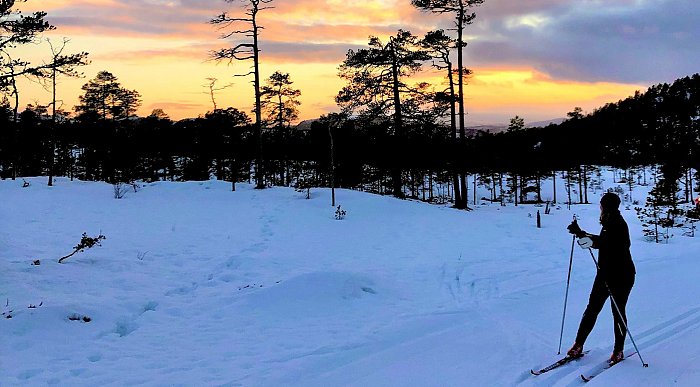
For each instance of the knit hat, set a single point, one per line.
(610, 201)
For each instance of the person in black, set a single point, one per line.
(616, 273)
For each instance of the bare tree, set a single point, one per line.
(211, 85)
(70, 71)
(247, 27)
(16, 30)
(335, 121)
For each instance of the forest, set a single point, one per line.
(389, 136)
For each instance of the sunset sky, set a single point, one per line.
(534, 58)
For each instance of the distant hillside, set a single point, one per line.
(541, 124)
(498, 128)
(471, 130)
(306, 124)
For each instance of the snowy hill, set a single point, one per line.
(196, 286)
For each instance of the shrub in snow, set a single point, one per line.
(657, 222)
(119, 190)
(304, 183)
(79, 317)
(690, 228)
(651, 220)
(86, 242)
(7, 312)
(140, 256)
(340, 213)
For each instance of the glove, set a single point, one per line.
(575, 229)
(585, 242)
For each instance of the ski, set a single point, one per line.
(557, 364)
(598, 370)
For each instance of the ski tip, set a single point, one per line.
(534, 372)
(585, 379)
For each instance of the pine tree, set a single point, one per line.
(376, 84)
(105, 98)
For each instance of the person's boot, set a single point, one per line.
(616, 357)
(575, 351)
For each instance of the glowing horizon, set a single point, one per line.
(159, 48)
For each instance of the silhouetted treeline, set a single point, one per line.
(659, 126)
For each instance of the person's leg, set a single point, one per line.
(599, 293)
(621, 293)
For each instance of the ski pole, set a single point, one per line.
(612, 299)
(566, 297)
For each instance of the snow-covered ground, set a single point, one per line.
(197, 286)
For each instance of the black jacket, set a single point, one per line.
(613, 243)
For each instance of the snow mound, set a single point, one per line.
(315, 294)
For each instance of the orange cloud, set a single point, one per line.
(161, 51)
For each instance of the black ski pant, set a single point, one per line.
(620, 290)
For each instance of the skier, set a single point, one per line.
(616, 273)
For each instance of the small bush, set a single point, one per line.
(340, 213)
(79, 317)
(86, 242)
(119, 190)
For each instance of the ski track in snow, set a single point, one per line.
(645, 340)
(197, 285)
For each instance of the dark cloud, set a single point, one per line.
(306, 52)
(618, 41)
(631, 41)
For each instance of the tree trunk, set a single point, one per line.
(690, 172)
(259, 173)
(460, 84)
(580, 186)
(330, 134)
(52, 146)
(453, 126)
(687, 185)
(15, 116)
(219, 169)
(398, 123)
(430, 186)
(500, 188)
(568, 189)
(585, 184)
(554, 186)
(464, 188)
(493, 188)
(515, 188)
(234, 174)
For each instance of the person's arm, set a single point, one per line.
(614, 236)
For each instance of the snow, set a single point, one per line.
(198, 285)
